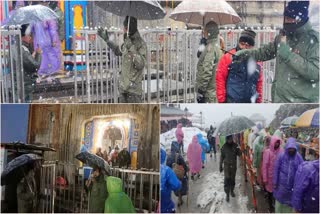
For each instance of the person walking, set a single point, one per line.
(228, 164)
(212, 141)
(180, 136)
(194, 157)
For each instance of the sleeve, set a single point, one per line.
(307, 68)
(265, 166)
(238, 152)
(301, 183)
(139, 57)
(115, 48)
(276, 170)
(260, 84)
(222, 157)
(173, 181)
(221, 78)
(265, 53)
(30, 64)
(205, 75)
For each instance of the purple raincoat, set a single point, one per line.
(284, 171)
(179, 133)
(45, 34)
(268, 160)
(305, 196)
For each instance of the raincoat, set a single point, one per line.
(269, 158)
(257, 151)
(305, 195)
(175, 157)
(206, 67)
(46, 37)
(168, 182)
(117, 201)
(204, 146)
(133, 60)
(194, 156)
(284, 172)
(98, 194)
(297, 66)
(179, 133)
(26, 194)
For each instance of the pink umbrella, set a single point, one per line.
(200, 12)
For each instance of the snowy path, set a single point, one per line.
(207, 195)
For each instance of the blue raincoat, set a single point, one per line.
(204, 146)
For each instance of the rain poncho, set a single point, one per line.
(117, 201)
(194, 155)
(168, 182)
(98, 194)
(204, 146)
(284, 172)
(305, 195)
(179, 133)
(257, 151)
(45, 35)
(269, 158)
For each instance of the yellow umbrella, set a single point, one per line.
(309, 118)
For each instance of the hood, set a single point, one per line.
(199, 137)
(291, 143)
(195, 139)
(114, 184)
(211, 127)
(213, 30)
(179, 126)
(162, 156)
(174, 147)
(274, 139)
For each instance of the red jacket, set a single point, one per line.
(222, 74)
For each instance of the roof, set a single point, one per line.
(171, 111)
(23, 146)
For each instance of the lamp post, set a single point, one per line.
(201, 119)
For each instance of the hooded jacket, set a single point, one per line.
(284, 172)
(204, 146)
(194, 155)
(269, 158)
(179, 134)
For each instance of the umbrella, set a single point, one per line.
(278, 134)
(144, 9)
(309, 118)
(234, 125)
(201, 12)
(93, 161)
(11, 171)
(29, 14)
(289, 121)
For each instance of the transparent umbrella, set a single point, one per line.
(29, 14)
(234, 125)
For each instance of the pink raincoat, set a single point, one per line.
(194, 156)
(269, 158)
(179, 134)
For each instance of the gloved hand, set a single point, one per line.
(241, 55)
(221, 169)
(103, 34)
(200, 97)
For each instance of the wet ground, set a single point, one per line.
(206, 194)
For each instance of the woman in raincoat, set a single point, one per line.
(194, 157)
(175, 157)
(284, 172)
(180, 136)
(257, 153)
(305, 195)
(204, 146)
(117, 201)
(168, 182)
(269, 158)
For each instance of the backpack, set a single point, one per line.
(178, 169)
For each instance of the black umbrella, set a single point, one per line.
(234, 125)
(14, 168)
(93, 161)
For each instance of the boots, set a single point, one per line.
(228, 198)
(232, 194)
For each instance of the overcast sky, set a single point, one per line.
(215, 114)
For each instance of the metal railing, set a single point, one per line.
(169, 74)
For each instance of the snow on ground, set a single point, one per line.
(169, 136)
(214, 194)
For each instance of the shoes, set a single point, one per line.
(227, 198)
(192, 177)
(232, 194)
(198, 176)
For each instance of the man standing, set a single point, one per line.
(133, 58)
(228, 160)
(239, 82)
(207, 64)
(297, 57)
(31, 61)
(284, 171)
(212, 141)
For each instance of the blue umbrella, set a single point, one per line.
(16, 166)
